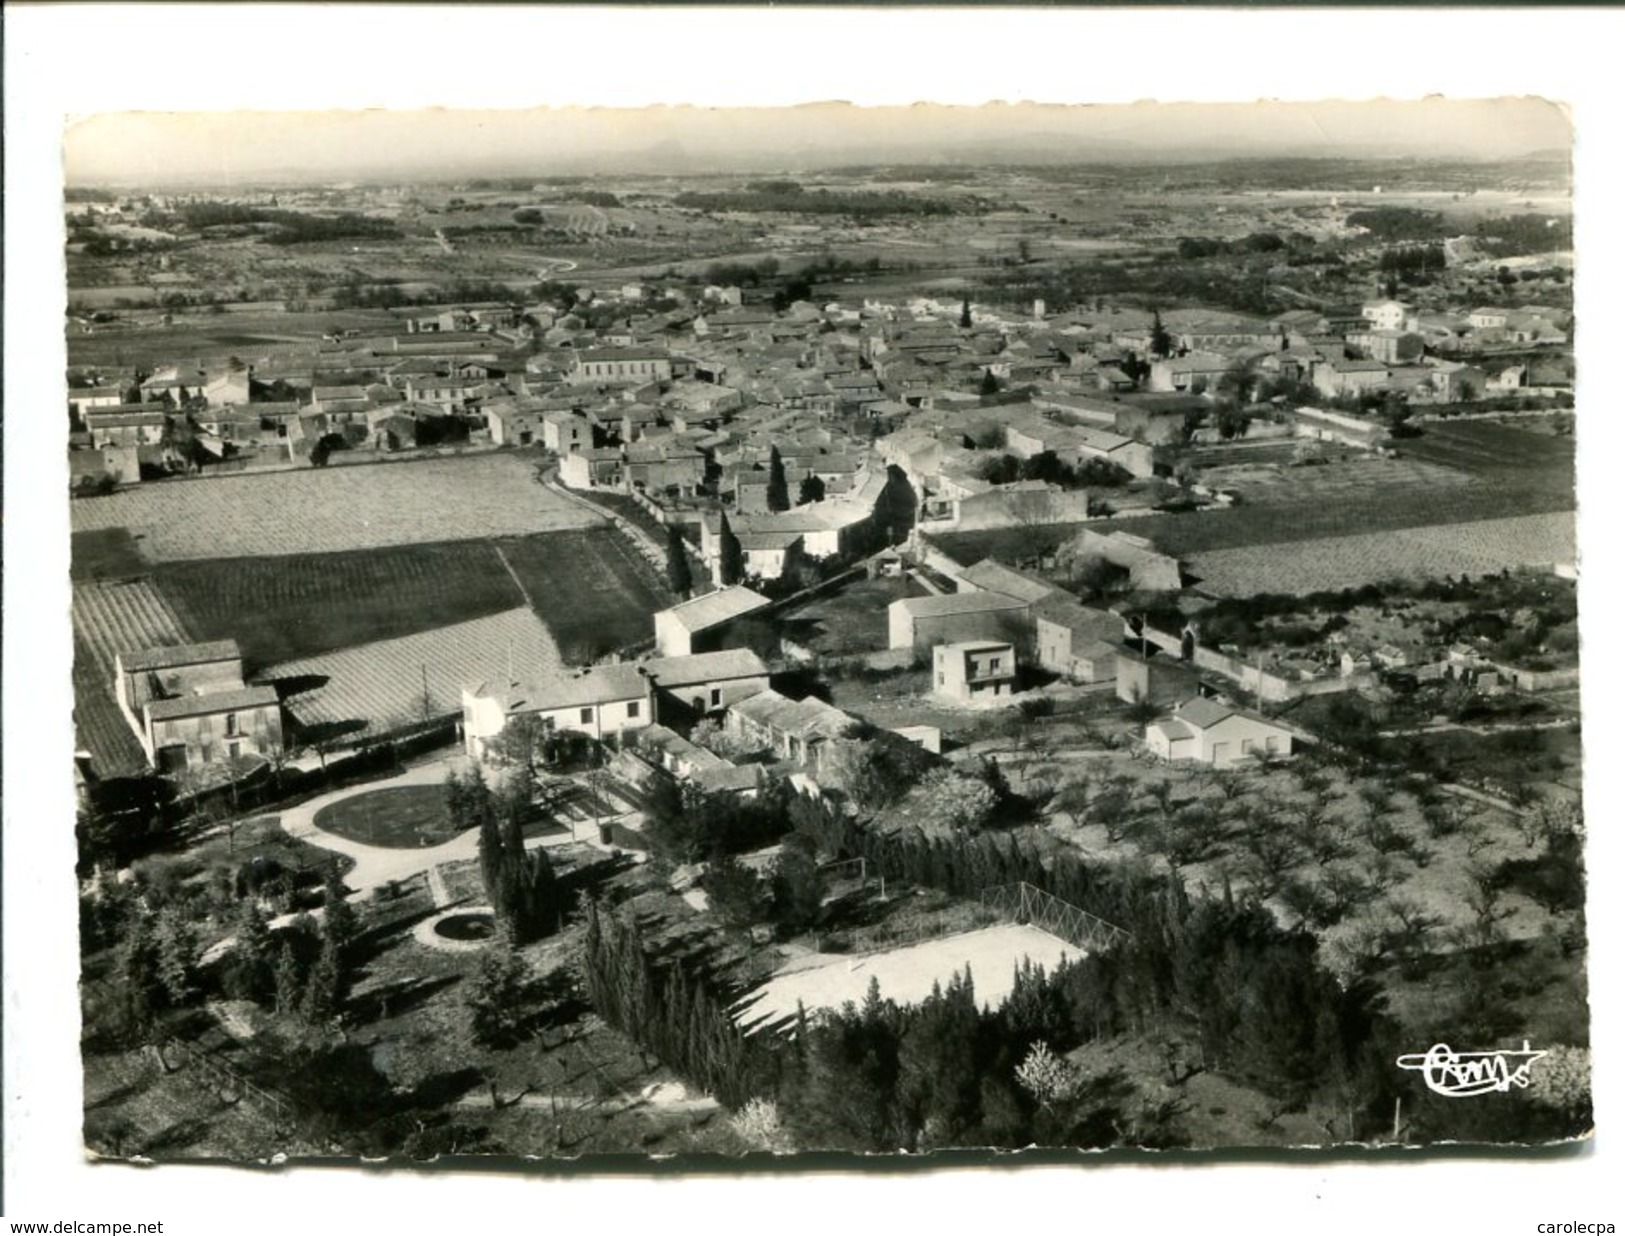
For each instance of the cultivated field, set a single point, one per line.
(907, 974)
(110, 553)
(124, 617)
(328, 510)
(1484, 446)
(303, 605)
(109, 618)
(1483, 547)
(594, 592)
(1360, 478)
(395, 683)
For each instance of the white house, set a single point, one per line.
(601, 701)
(1217, 734)
(974, 670)
(1385, 314)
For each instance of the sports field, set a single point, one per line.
(326, 510)
(907, 974)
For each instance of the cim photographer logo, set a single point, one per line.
(1460, 1075)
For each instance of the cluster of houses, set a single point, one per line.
(807, 433)
(1382, 346)
(683, 401)
(649, 703)
(975, 639)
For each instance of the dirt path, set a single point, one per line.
(376, 866)
(656, 554)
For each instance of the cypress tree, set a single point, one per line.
(139, 983)
(1162, 343)
(340, 923)
(496, 996)
(778, 487)
(678, 577)
(731, 556)
(176, 955)
(287, 982)
(324, 988)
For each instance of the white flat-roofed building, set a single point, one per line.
(974, 670)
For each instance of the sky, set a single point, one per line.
(223, 147)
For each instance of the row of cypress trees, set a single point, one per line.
(675, 1013)
(1248, 997)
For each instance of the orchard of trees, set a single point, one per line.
(1214, 977)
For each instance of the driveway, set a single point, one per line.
(376, 866)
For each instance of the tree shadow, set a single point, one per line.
(297, 684)
(118, 1095)
(176, 1137)
(441, 1090)
(592, 878)
(559, 1000)
(397, 999)
(330, 731)
(377, 940)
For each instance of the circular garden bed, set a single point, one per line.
(403, 817)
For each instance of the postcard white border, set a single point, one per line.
(70, 60)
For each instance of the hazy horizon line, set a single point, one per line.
(366, 145)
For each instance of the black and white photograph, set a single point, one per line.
(740, 634)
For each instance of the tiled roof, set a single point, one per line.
(598, 684)
(212, 703)
(1080, 619)
(622, 354)
(723, 777)
(704, 667)
(717, 607)
(180, 654)
(120, 418)
(991, 575)
(750, 539)
(1202, 713)
(1173, 729)
(807, 718)
(659, 738)
(957, 603)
